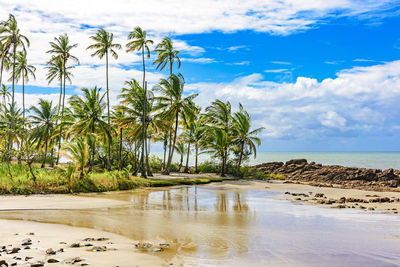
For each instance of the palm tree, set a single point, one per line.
(244, 137)
(104, 46)
(43, 118)
(10, 35)
(180, 149)
(90, 120)
(5, 93)
(172, 103)
(132, 98)
(55, 70)
(5, 59)
(141, 43)
(219, 115)
(22, 71)
(166, 54)
(199, 137)
(218, 144)
(78, 151)
(62, 48)
(118, 115)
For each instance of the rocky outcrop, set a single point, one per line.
(301, 170)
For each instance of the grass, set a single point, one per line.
(64, 180)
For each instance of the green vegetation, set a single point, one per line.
(109, 146)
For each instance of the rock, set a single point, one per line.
(77, 259)
(319, 195)
(75, 245)
(14, 264)
(30, 233)
(26, 242)
(27, 247)
(60, 250)
(28, 258)
(88, 239)
(13, 251)
(37, 264)
(50, 251)
(143, 245)
(99, 249)
(3, 263)
(371, 208)
(52, 261)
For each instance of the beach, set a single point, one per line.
(149, 243)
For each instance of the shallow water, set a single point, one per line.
(226, 226)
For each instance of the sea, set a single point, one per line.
(376, 160)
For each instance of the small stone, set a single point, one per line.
(3, 263)
(37, 264)
(99, 249)
(26, 242)
(27, 247)
(75, 245)
(28, 258)
(52, 261)
(13, 251)
(50, 251)
(60, 250)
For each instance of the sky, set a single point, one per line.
(317, 75)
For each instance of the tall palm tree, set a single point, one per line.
(103, 46)
(22, 71)
(4, 92)
(118, 114)
(55, 70)
(61, 47)
(180, 149)
(167, 55)
(43, 119)
(10, 35)
(244, 137)
(141, 43)
(90, 120)
(172, 103)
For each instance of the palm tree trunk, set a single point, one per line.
(12, 103)
(166, 171)
(223, 165)
(51, 157)
(62, 115)
(143, 134)
(240, 159)
(120, 149)
(1, 69)
(23, 109)
(165, 150)
(187, 159)
(149, 173)
(135, 171)
(45, 155)
(108, 115)
(181, 163)
(93, 150)
(195, 161)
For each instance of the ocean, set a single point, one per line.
(378, 160)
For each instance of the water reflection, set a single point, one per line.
(230, 226)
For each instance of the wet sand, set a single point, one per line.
(233, 223)
(307, 194)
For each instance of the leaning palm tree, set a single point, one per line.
(43, 119)
(10, 35)
(244, 137)
(22, 72)
(172, 103)
(90, 120)
(78, 151)
(103, 46)
(61, 47)
(4, 92)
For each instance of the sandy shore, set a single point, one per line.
(329, 197)
(42, 240)
(30, 202)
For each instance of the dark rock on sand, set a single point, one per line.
(52, 261)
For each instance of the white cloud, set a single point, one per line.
(276, 70)
(201, 60)
(361, 100)
(281, 62)
(241, 63)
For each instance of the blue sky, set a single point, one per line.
(318, 75)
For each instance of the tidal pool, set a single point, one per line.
(226, 226)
